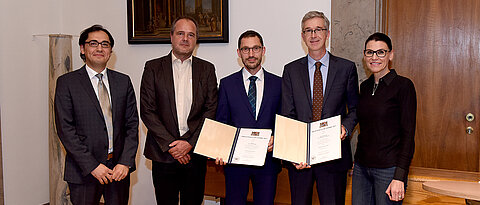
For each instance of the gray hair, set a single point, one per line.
(315, 14)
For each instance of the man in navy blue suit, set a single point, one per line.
(250, 98)
(318, 86)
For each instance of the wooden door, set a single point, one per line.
(436, 44)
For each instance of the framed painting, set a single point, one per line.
(150, 21)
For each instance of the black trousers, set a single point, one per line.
(331, 186)
(170, 179)
(89, 193)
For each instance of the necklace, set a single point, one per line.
(375, 86)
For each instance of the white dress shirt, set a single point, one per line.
(182, 80)
(94, 80)
(259, 83)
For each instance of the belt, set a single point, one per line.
(109, 156)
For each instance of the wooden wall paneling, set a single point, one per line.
(436, 45)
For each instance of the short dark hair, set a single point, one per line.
(379, 37)
(247, 34)
(174, 24)
(84, 36)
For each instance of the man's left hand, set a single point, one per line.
(343, 135)
(270, 144)
(120, 171)
(179, 148)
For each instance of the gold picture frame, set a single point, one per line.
(149, 21)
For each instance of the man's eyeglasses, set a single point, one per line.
(255, 49)
(94, 43)
(311, 31)
(380, 53)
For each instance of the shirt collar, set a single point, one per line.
(175, 59)
(260, 74)
(324, 60)
(388, 78)
(91, 73)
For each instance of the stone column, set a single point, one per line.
(351, 24)
(60, 62)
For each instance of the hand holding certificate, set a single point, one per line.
(309, 143)
(234, 145)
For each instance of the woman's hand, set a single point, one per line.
(395, 190)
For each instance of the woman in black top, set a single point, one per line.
(386, 114)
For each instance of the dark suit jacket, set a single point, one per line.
(234, 108)
(341, 94)
(158, 109)
(81, 126)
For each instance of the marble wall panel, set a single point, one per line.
(60, 62)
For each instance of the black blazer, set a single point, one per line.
(158, 109)
(81, 126)
(341, 95)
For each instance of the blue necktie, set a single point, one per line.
(252, 94)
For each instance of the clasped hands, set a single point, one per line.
(179, 150)
(219, 161)
(104, 175)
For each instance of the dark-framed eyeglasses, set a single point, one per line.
(255, 49)
(380, 53)
(311, 31)
(94, 43)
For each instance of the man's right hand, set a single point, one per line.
(103, 174)
(219, 161)
(301, 165)
(185, 159)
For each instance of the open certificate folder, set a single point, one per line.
(234, 145)
(310, 143)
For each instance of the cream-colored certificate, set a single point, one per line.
(310, 143)
(234, 145)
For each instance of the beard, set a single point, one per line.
(251, 66)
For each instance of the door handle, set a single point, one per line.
(469, 130)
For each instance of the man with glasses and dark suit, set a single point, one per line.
(318, 86)
(250, 98)
(97, 122)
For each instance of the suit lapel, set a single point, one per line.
(168, 82)
(196, 85)
(240, 89)
(305, 79)
(87, 86)
(267, 86)
(332, 71)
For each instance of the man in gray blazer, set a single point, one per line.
(177, 93)
(318, 86)
(97, 122)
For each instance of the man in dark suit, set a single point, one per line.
(97, 122)
(250, 98)
(177, 93)
(316, 87)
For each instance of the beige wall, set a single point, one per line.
(24, 73)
